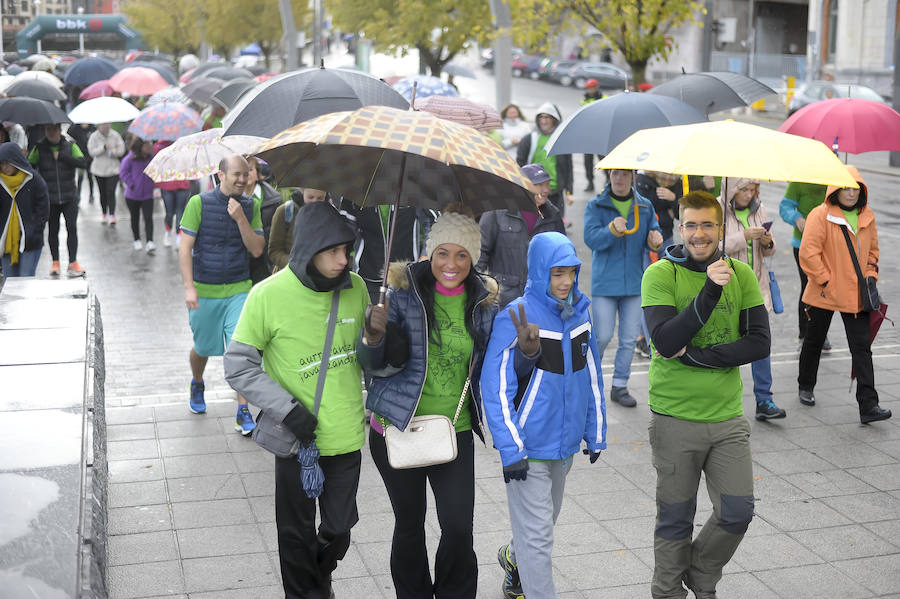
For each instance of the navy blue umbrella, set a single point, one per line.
(311, 476)
(90, 70)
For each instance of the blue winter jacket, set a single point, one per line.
(395, 389)
(545, 413)
(618, 262)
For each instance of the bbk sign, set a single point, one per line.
(71, 24)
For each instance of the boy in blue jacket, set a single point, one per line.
(538, 420)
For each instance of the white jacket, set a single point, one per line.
(106, 163)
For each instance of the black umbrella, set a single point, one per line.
(600, 126)
(201, 69)
(256, 69)
(232, 91)
(228, 73)
(298, 96)
(29, 111)
(714, 91)
(201, 90)
(32, 88)
(15, 69)
(90, 70)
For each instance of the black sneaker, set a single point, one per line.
(807, 398)
(874, 415)
(642, 347)
(621, 396)
(590, 186)
(767, 410)
(512, 586)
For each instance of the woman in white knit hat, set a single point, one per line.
(420, 350)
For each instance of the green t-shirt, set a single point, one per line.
(448, 363)
(190, 224)
(743, 215)
(807, 196)
(852, 218)
(548, 162)
(689, 392)
(623, 206)
(291, 341)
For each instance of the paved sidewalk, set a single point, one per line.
(192, 506)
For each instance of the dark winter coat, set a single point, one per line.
(32, 202)
(59, 173)
(261, 267)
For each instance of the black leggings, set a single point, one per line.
(136, 207)
(107, 188)
(69, 211)
(453, 484)
(82, 173)
(801, 307)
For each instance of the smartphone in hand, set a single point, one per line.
(767, 225)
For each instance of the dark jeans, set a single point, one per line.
(801, 307)
(309, 557)
(589, 167)
(69, 211)
(136, 207)
(858, 338)
(453, 484)
(107, 188)
(175, 201)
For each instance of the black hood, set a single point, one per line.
(12, 153)
(679, 255)
(319, 226)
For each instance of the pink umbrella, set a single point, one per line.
(97, 90)
(850, 125)
(462, 111)
(138, 81)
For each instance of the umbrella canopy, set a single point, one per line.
(197, 155)
(458, 70)
(170, 94)
(426, 85)
(312, 479)
(849, 125)
(256, 69)
(199, 70)
(730, 149)
(600, 126)
(15, 69)
(90, 70)
(714, 91)
(201, 89)
(104, 110)
(34, 58)
(228, 73)
(138, 81)
(382, 155)
(462, 111)
(44, 65)
(6, 81)
(164, 69)
(32, 88)
(29, 111)
(41, 76)
(97, 89)
(232, 91)
(298, 96)
(166, 122)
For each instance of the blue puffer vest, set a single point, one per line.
(394, 392)
(219, 253)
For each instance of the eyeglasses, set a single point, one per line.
(706, 227)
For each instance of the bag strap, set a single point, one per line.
(326, 351)
(465, 391)
(859, 274)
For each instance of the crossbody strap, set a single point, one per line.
(859, 274)
(326, 351)
(465, 391)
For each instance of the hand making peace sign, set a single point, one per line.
(528, 334)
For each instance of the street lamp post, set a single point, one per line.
(81, 35)
(37, 13)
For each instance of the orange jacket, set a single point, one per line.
(833, 284)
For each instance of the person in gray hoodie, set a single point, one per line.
(531, 151)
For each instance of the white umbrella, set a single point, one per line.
(197, 155)
(41, 76)
(5, 81)
(107, 109)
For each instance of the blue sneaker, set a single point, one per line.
(767, 410)
(244, 423)
(197, 403)
(512, 586)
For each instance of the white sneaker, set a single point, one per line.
(151, 247)
(167, 239)
(138, 245)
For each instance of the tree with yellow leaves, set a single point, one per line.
(173, 27)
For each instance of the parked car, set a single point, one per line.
(560, 69)
(523, 65)
(607, 75)
(487, 57)
(823, 90)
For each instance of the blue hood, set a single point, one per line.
(545, 251)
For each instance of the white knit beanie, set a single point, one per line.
(453, 227)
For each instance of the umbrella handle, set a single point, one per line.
(637, 221)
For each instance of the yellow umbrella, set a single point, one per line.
(730, 149)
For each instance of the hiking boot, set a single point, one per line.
(807, 398)
(826, 345)
(244, 423)
(767, 410)
(642, 347)
(75, 270)
(197, 402)
(874, 415)
(512, 586)
(621, 396)
(54, 269)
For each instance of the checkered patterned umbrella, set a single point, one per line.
(382, 155)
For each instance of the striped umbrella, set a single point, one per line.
(462, 111)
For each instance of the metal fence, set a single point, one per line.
(766, 66)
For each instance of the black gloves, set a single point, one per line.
(595, 455)
(517, 471)
(302, 423)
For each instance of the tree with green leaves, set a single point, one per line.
(438, 29)
(235, 23)
(173, 27)
(639, 29)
